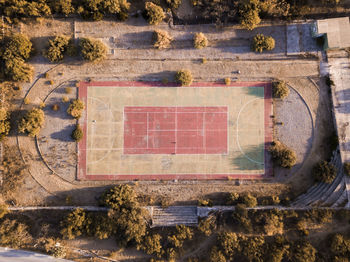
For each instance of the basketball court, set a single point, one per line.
(147, 130)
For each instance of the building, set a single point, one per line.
(333, 33)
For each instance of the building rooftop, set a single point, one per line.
(337, 30)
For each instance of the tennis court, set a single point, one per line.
(147, 130)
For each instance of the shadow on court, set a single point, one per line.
(252, 158)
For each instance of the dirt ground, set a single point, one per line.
(132, 59)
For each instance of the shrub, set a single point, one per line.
(324, 172)
(204, 60)
(339, 245)
(74, 224)
(182, 233)
(3, 211)
(151, 245)
(161, 39)
(227, 81)
(303, 251)
(184, 77)
(57, 48)
(120, 196)
(55, 107)
(280, 89)
(93, 50)
(65, 99)
(174, 3)
(200, 40)
(5, 125)
(42, 105)
(68, 90)
(205, 203)
(32, 122)
(282, 155)
(228, 243)
(13, 233)
(249, 14)
(206, 226)
(77, 133)
(248, 200)
(347, 168)
(232, 198)
(76, 108)
(154, 13)
(216, 255)
(262, 42)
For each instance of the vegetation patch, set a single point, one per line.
(200, 40)
(154, 13)
(261, 42)
(280, 89)
(282, 155)
(346, 166)
(5, 125)
(77, 133)
(324, 172)
(32, 122)
(76, 108)
(58, 47)
(184, 77)
(161, 39)
(93, 50)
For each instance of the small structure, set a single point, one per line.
(335, 32)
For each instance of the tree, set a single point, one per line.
(13, 233)
(228, 243)
(57, 48)
(101, 226)
(184, 77)
(200, 40)
(249, 15)
(17, 46)
(120, 196)
(76, 108)
(182, 233)
(32, 122)
(4, 123)
(151, 245)
(3, 210)
(77, 133)
(216, 255)
(282, 155)
(346, 167)
(74, 224)
(248, 200)
(64, 7)
(93, 50)
(161, 39)
(174, 3)
(280, 89)
(154, 13)
(17, 70)
(253, 248)
(324, 172)
(206, 226)
(262, 42)
(303, 251)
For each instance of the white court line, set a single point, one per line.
(237, 136)
(204, 133)
(147, 129)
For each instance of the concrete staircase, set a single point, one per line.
(174, 215)
(327, 195)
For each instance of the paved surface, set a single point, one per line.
(13, 255)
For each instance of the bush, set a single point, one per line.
(154, 13)
(280, 89)
(303, 251)
(205, 203)
(227, 81)
(77, 133)
(347, 168)
(339, 245)
(324, 172)
(228, 243)
(282, 155)
(74, 224)
(174, 4)
(184, 77)
(55, 107)
(152, 246)
(232, 198)
(14, 234)
(57, 48)
(3, 210)
(200, 40)
(93, 50)
(182, 233)
(120, 196)
(76, 108)
(5, 125)
(249, 14)
(262, 42)
(32, 122)
(206, 226)
(161, 39)
(248, 200)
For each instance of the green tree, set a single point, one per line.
(154, 13)
(253, 248)
(32, 122)
(228, 243)
(64, 7)
(184, 77)
(77, 133)
(13, 233)
(249, 13)
(282, 155)
(248, 200)
(17, 46)
(101, 226)
(57, 48)
(120, 196)
(76, 108)
(262, 42)
(303, 251)
(74, 224)
(324, 172)
(93, 50)
(280, 89)
(151, 245)
(216, 255)
(4, 123)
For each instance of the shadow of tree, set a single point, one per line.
(252, 158)
(64, 134)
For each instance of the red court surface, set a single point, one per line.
(175, 130)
